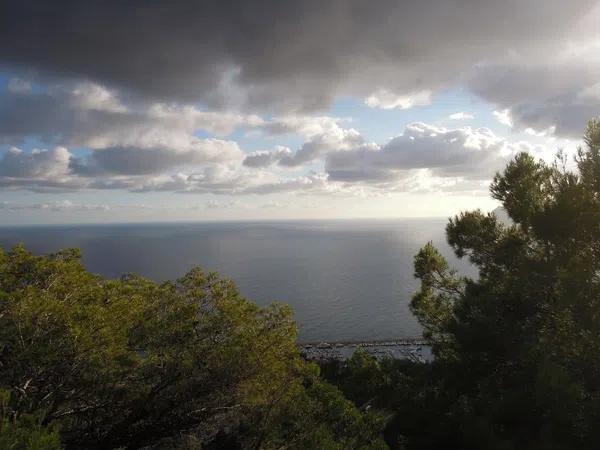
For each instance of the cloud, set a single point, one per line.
(111, 168)
(231, 181)
(261, 56)
(38, 170)
(18, 86)
(557, 89)
(133, 89)
(504, 117)
(92, 116)
(54, 206)
(137, 170)
(461, 116)
(423, 158)
(214, 204)
(273, 205)
(313, 183)
(306, 126)
(267, 158)
(36, 164)
(140, 161)
(541, 133)
(141, 138)
(215, 179)
(454, 153)
(385, 99)
(335, 139)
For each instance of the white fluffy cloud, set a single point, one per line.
(385, 99)
(333, 140)
(306, 126)
(504, 117)
(461, 116)
(464, 153)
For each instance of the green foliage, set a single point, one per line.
(26, 432)
(519, 347)
(320, 417)
(433, 304)
(130, 363)
(410, 397)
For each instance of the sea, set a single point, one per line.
(347, 280)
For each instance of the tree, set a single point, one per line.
(520, 345)
(130, 363)
(25, 432)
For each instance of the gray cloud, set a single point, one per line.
(136, 161)
(89, 115)
(39, 170)
(561, 90)
(322, 144)
(267, 158)
(36, 164)
(272, 54)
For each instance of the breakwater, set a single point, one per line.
(415, 349)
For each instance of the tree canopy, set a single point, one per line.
(520, 345)
(130, 363)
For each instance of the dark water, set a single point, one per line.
(346, 280)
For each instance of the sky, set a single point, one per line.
(145, 111)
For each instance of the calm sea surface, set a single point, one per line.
(346, 280)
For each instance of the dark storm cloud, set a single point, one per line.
(291, 55)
